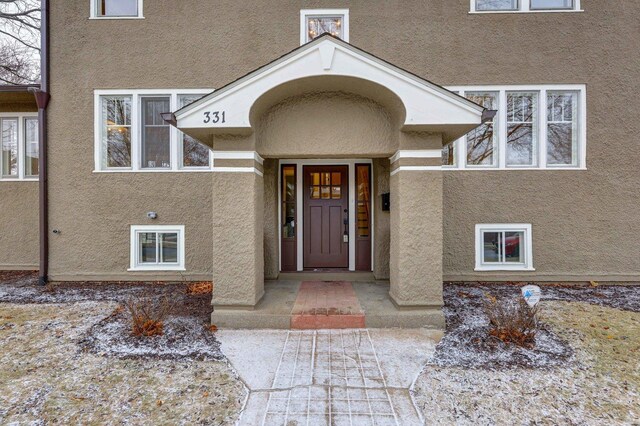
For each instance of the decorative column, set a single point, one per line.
(416, 231)
(238, 227)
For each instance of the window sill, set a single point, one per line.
(113, 18)
(157, 269)
(502, 12)
(190, 170)
(504, 268)
(34, 179)
(518, 169)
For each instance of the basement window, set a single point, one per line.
(157, 248)
(503, 247)
(315, 22)
(517, 6)
(116, 9)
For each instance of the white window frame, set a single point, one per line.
(505, 227)
(136, 132)
(460, 145)
(22, 147)
(93, 12)
(136, 265)
(524, 6)
(309, 13)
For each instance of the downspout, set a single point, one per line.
(42, 100)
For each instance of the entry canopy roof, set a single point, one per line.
(427, 106)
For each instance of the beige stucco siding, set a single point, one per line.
(19, 225)
(585, 223)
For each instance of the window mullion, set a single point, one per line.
(175, 148)
(136, 132)
(158, 248)
(543, 109)
(503, 257)
(21, 149)
(502, 129)
(525, 5)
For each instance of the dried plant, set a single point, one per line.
(200, 287)
(513, 322)
(148, 315)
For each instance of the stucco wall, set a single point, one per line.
(19, 225)
(585, 223)
(380, 219)
(271, 245)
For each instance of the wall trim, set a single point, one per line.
(237, 170)
(422, 153)
(237, 155)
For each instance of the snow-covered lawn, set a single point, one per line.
(46, 377)
(599, 383)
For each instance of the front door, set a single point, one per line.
(326, 216)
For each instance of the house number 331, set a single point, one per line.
(215, 117)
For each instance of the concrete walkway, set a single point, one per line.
(329, 377)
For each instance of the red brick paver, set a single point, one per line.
(326, 304)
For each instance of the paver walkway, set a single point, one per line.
(329, 377)
(326, 304)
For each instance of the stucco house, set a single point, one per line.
(397, 145)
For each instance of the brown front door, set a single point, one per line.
(326, 195)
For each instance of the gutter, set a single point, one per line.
(42, 100)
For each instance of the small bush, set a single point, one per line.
(201, 287)
(148, 315)
(513, 322)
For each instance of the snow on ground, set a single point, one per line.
(47, 378)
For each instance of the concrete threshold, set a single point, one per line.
(274, 311)
(324, 275)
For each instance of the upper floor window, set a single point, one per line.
(524, 5)
(116, 9)
(132, 136)
(19, 142)
(535, 127)
(315, 22)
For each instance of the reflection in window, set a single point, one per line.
(318, 25)
(156, 133)
(481, 142)
(31, 147)
(551, 4)
(158, 248)
(562, 128)
(9, 147)
(116, 119)
(194, 154)
(522, 118)
(363, 227)
(503, 247)
(497, 4)
(117, 7)
(288, 201)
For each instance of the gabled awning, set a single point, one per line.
(427, 106)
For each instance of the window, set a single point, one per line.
(536, 127)
(314, 23)
(119, 9)
(194, 154)
(157, 248)
(18, 146)
(132, 136)
(504, 247)
(493, 6)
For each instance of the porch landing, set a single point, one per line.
(294, 304)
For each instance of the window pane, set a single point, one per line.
(31, 147)
(513, 247)
(551, 4)
(522, 116)
(288, 201)
(325, 192)
(491, 247)
(156, 143)
(288, 227)
(315, 193)
(364, 196)
(481, 142)
(289, 183)
(562, 128)
(117, 7)
(10, 147)
(194, 153)
(336, 193)
(169, 247)
(496, 4)
(318, 25)
(116, 119)
(448, 155)
(147, 246)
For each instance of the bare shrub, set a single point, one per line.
(513, 322)
(148, 315)
(200, 287)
